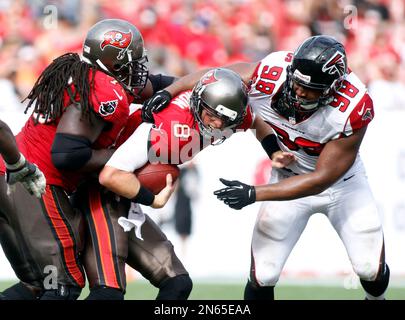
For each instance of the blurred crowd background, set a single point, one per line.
(183, 35)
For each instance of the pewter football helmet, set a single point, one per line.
(116, 47)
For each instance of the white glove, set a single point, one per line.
(28, 174)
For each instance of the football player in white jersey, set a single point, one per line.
(319, 111)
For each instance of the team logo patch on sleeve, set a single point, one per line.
(368, 115)
(108, 107)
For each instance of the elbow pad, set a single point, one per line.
(70, 152)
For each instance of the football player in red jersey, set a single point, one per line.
(81, 105)
(207, 115)
(319, 111)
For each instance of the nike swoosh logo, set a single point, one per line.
(118, 96)
(345, 179)
(155, 98)
(362, 110)
(154, 127)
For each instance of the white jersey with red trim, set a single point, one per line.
(351, 109)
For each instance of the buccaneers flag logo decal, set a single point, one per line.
(209, 78)
(117, 39)
(335, 64)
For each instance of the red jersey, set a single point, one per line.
(108, 99)
(175, 137)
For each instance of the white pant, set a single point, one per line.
(349, 206)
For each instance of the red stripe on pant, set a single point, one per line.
(103, 239)
(61, 231)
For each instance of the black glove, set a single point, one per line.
(155, 104)
(237, 194)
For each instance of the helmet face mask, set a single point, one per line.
(116, 47)
(318, 64)
(134, 74)
(307, 105)
(221, 93)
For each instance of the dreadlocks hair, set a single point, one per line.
(47, 93)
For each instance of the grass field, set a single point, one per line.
(141, 290)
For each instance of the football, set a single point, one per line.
(153, 176)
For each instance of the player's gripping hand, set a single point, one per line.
(164, 195)
(28, 174)
(155, 104)
(237, 194)
(281, 159)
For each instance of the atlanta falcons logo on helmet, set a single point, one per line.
(335, 64)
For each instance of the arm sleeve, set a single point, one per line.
(109, 100)
(361, 115)
(160, 81)
(133, 153)
(70, 152)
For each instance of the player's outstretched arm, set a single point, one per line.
(334, 161)
(187, 82)
(161, 99)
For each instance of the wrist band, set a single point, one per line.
(16, 165)
(270, 145)
(144, 196)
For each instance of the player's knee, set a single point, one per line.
(165, 266)
(366, 270)
(266, 276)
(378, 286)
(105, 293)
(254, 292)
(175, 288)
